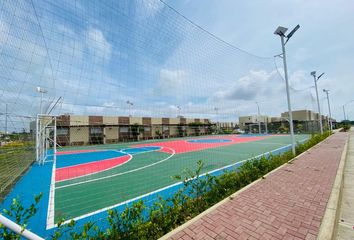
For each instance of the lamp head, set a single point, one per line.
(41, 90)
(313, 73)
(293, 31)
(320, 76)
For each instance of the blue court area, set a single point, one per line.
(140, 149)
(209, 140)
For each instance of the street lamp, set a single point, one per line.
(329, 111)
(41, 91)
(318, 101)
(217, 123)
(178, 111)
(259, 121)
(130, 104)
(281, 32)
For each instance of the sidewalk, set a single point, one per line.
(345, 225)
(288, 204)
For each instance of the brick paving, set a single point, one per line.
(288, 204)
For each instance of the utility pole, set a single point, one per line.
(318, 101)
(130, 104)
(281, 32)
(329, 111)
(345, 116)
(6, 119)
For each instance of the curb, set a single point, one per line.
(330, 218)
(232, 196)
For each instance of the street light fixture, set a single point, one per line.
(329, 110)
(281, 32)
(41, 91)
(318, 101)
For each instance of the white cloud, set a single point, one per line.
(98, 44)
(150, 8)
(249, 87)
(171, 82)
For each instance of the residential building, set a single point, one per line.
(83, 130)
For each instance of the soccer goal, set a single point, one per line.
(46, 138)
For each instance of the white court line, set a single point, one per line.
(119, 174)
(51, 209)
(97, 160)
(121, 151)
(131, 157)
(172, 185)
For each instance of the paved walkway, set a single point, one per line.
(288, 204)
(346, 217)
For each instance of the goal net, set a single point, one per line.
(46, 138)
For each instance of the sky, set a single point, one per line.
(324, 42)
(200, 59)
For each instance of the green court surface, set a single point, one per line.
(148, 172)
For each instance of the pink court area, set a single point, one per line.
(182, 146)
(66, 173)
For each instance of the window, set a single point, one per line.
(164, 128)
(123, 129)
(96, 130)
(62, 131)
(147, 129)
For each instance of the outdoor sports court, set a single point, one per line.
(87, 181)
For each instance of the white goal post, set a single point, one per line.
(46, 138)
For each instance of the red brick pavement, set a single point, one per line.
(288, 204)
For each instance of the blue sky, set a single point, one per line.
(323, 43)
(97, 55)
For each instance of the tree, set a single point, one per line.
(136, 130)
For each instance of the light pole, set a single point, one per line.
(345, 116)
(329, 110)
(281, 32)
(178, 111)
(259, 121)
(344, 112)
(130, 104)
(318, 101)
(41, 91)
(216, 114)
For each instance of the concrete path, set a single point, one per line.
(345, 227)
(288, 204)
